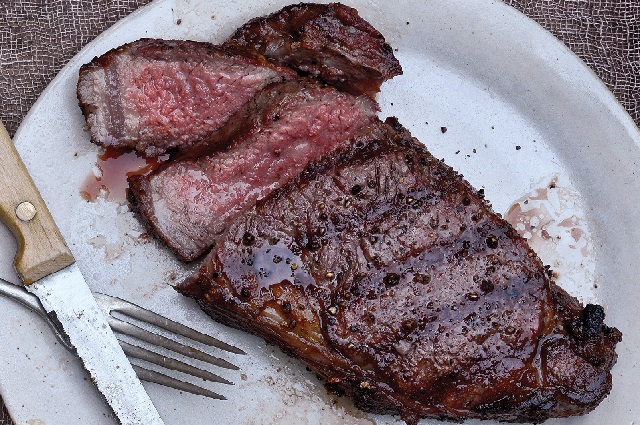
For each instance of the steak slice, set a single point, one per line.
(189, 201)
(329, 41)
(155, 95)
(386, 272)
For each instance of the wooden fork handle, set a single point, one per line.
(41, 248)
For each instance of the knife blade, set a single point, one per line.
(48, 269)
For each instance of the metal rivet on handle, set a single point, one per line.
(25, 211)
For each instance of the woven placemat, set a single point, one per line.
(37, 38)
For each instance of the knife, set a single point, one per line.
(47, 268)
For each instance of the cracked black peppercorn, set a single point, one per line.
(391, 279)
(248, 239)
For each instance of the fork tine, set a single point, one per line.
(170, 363)
(20, 294)
(167, 381)
(137, 312)
(136, 332)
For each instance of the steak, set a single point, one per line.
(156, 95)
(189, 201)
(329, 41)
(392, 278)
(161, 95)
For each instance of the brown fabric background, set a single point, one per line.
(37, 37)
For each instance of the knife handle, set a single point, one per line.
(41, 248)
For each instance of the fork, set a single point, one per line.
(121, 327)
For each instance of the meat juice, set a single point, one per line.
(114, 167)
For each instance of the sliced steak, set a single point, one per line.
(329, 41)
(155, 95)
(386, 272)
(189, 201)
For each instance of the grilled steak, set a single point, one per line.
(329, 41)
(189, 201)
(155, 95)
(387, 273)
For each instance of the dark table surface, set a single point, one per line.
(37, 38)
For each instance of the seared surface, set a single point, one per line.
(190, 200)
(329, 41)
(155, 95)
(386, 273)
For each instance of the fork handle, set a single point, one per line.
(41, 248)
(20, 294)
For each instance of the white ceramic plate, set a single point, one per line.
(520, 111)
